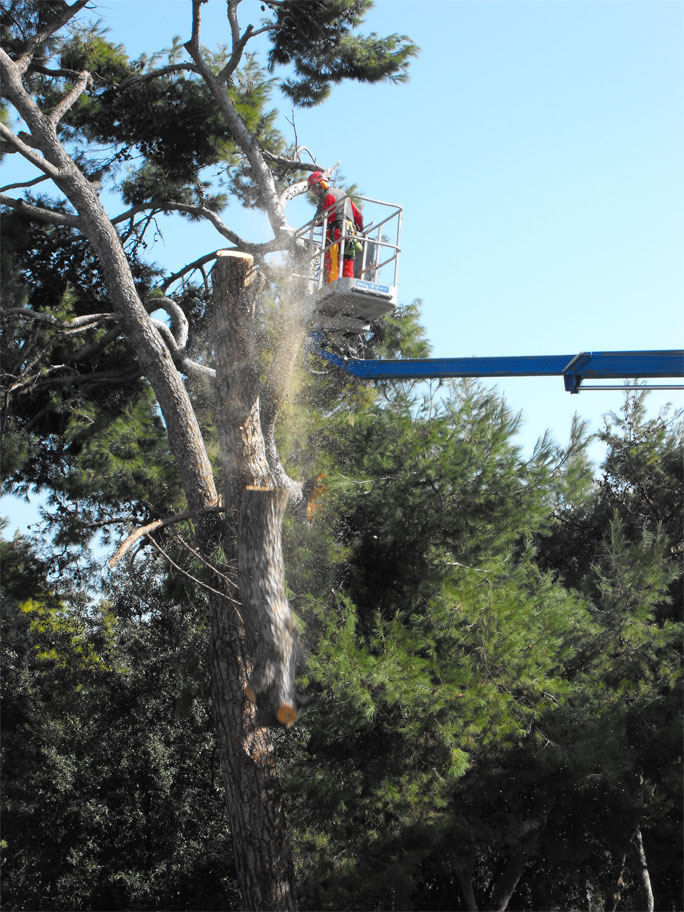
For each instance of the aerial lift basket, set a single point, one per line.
(350, 304)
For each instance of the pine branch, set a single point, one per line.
(82, 83)
(42, 36)
(45, 215)
(239, 42)
(179, 322)
(242, 136)
(196, 211)
(53, 74)
(22, 184)
(210, 216)
(28, 152)
(296, 189)
(291, 164)
(155, 74)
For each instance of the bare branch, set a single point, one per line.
(196, 23)
(196, 211)
(195, 369)
(191, 577)
(239, 42)
(242, 136)
(196, 264)
(233, 20)
(203, 560)
(134, 210)
(180, 359)
(289, 193)
(31, 183)
(54, 74)
(292, 164)
(210, 216)
(82, 83)
(156, 74)
(25, 150)
(152, 527)
(296, 189)
(45, 215)
(179, 322)
(77, 324)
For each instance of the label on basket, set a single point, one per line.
(362, 285)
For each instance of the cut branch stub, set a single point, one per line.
(271, 626)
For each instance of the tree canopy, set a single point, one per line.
(493, 683)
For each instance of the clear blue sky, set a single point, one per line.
(538, 152)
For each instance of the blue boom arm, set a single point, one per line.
(573, 368)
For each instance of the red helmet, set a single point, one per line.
(315, 180)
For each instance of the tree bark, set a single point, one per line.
(617, 896)
(269, 621)
(254, 798)
(643, 866)
(263, 856)
(241, 440)
(505, 886)
(463, 868)
(255, 804)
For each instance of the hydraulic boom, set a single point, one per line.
(574, 369)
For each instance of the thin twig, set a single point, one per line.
(190, 576)
(204, 561)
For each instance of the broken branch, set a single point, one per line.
(125, 546)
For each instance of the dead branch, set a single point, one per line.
(194, 579)
(180, 359)
(204, 561)
(152, 527)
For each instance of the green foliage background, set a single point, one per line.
(494, 639)
(494, 653)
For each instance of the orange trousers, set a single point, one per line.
(332, 261)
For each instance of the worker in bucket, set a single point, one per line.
(344, 220)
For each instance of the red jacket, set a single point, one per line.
(329, 205)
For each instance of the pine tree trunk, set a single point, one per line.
(643, 867)
(255, 803)
(269, 621)
(507, 882)
(464, 865)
